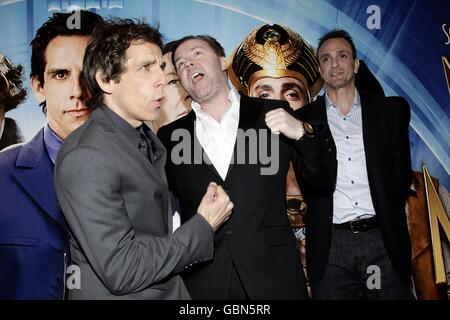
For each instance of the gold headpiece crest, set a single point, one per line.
(274, 51)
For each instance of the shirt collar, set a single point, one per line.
(123, 126)
(233, 98)
(52, 142)
(356, 101)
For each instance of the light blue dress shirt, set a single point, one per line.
(52, 143)
(351, 198)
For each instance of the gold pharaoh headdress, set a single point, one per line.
(274, 51)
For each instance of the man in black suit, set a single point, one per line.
(227, 138)
(358, 243)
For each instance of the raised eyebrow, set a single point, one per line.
(263, 87)
(344, 51)
(146, 63)
(325, 55)
(197, 47)
(291, 85)
(191, 50)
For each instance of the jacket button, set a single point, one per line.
(229, 232)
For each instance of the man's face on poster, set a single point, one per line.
(61, 89)
(286, 88)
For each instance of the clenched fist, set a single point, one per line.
(280, 121)
(215, 206)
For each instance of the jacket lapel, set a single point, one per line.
(320, 109)
(161, 157)
(35, 175)
(249, 112)
(153, 169)
(369, 132)
(197, 149)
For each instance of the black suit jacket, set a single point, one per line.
(386, 143)
(11, 134)
(257, 239)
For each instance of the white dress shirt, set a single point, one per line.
(218, 138)
(351, 198)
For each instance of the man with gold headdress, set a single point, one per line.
(275, 62)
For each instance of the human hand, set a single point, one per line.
(215, 206)
(280, 121)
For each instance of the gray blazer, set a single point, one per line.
(118, 209)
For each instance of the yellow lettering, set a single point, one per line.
(447, 33)
(446, 65)
(437, 215)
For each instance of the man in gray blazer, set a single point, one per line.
(110, 179)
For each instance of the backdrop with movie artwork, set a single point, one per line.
(405, 43)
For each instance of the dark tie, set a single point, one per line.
(144, 145)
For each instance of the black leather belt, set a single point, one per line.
(358, 225)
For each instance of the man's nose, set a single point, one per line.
(160, 77)
(278, 96)
(334, 62)
(77, 90)
(189, 63)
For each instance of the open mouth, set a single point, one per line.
(197, 76)
(336, 74)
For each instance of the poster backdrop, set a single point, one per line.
(405, 43)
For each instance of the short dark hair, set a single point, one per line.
(168, 47)
(212, 42)
(337, 33)
(12, 92)
(107, 52)
(57, 25)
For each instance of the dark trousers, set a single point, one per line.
(237, 290)
(359, 268)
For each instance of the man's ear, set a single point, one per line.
(106, 86)
(223, 63)
(38, 89)
(356, 66)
